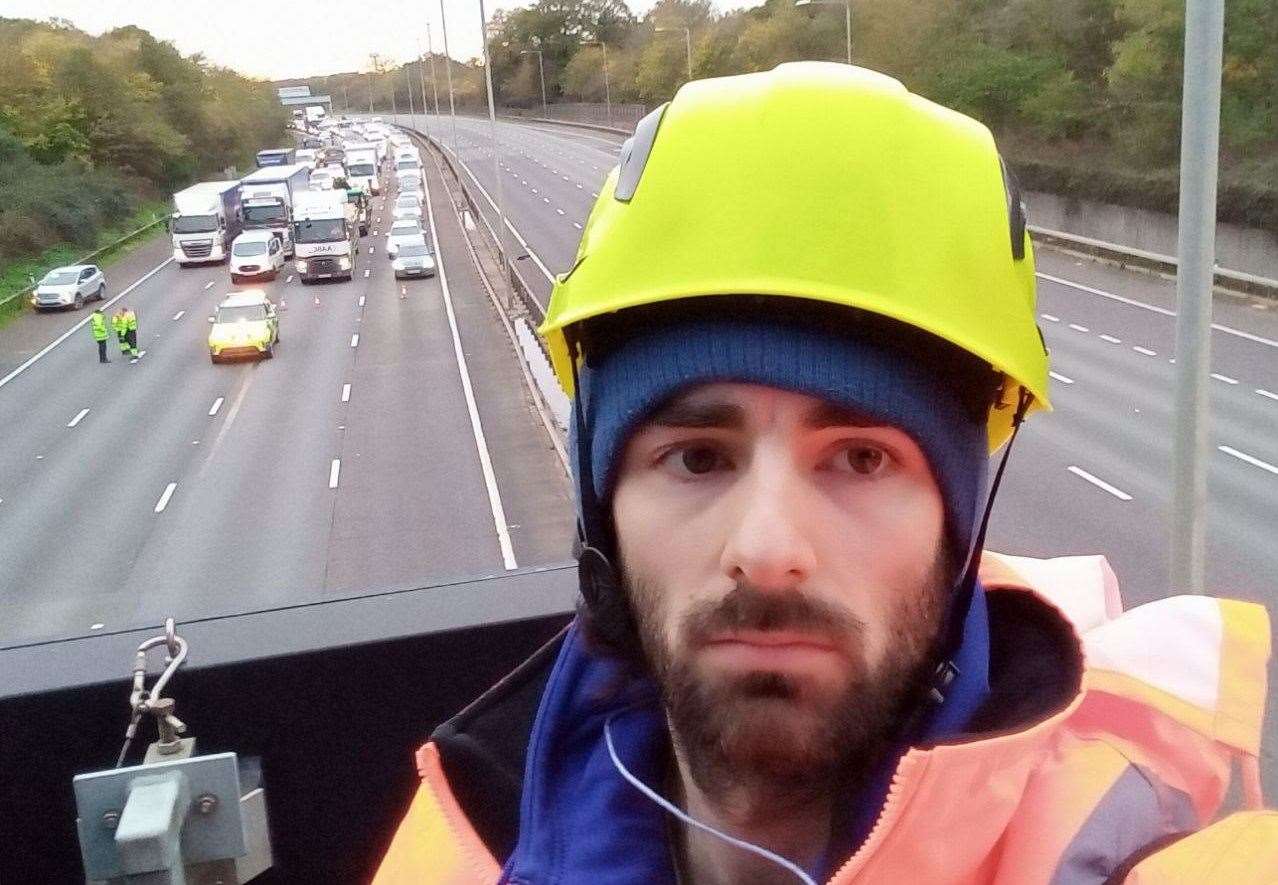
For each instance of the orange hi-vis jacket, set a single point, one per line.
(1116, 776)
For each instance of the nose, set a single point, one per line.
(767, 544)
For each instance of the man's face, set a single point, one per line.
(785, 561)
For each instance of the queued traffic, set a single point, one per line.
(309, 205)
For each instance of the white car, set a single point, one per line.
(401, 232)
(310, 156)
(411, 184)
(69, 286)
(322, 180)
(410, 165)
(415, 259)
(255, 254)
(408, 209)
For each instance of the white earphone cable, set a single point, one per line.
(677, 812)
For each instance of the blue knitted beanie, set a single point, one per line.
(626, 384)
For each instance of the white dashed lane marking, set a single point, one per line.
(1111, 339)
(334, 471)
(1225, 378)
(1099, 483)
(217, 404)
(177, 316)
(208, 285)
(1077, 328)
(78, 418)
(1249, 459)
(1061, 378)
(164, 498)
(1267, 393)
(1050, 318)
(1145, 351)
(346, 393)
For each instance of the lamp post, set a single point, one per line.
(847, 16)
(687, 42)
(408, 75)
(492, 134)
(1195, 275)
(430, 49)
(374, 61)
(607, 90)
(421, 81)
(541, 68)
(448, 69)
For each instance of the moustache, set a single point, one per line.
(747, 608)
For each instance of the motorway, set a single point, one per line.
(389, 444)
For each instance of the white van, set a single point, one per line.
(256, 254)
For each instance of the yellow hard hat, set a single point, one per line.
(820, 181)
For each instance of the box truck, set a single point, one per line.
(324, 235)
(206, 218)
(267, 196)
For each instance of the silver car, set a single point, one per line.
(415, 259)
(69, 286)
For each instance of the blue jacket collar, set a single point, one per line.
(580, 822)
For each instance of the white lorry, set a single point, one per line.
(324, 235)
(267, 197)
(362, 167)
(206, 217)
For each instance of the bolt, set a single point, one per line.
(206, 803)
(111, 819)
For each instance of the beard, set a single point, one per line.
(770, 738)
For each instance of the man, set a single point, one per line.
(131, 332)
(97, 324)
(120, 326)
(801, 317)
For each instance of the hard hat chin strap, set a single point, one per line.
(597, 577)
(933, 692)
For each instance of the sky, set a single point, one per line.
(276, 40)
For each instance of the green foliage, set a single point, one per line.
(91, 125)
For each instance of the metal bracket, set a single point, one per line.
(123, 813)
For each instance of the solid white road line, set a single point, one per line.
(1111, 339)
(477, 429)
(1253, 461)
(208, 285)
(346, 393)
(355, 340)
(334, 470)
(1061, 378)
(69, 332)
(361, 301)
(1228, 330)
(177, 316)
(1146, 351)
(1050, 318)
(78, 418)
(1225, 378)
(541, 265)
(164, 499)
(1268, 393)
(1099, 483)
(217, 404)
(1077, 328)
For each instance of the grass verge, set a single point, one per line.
(15, 276)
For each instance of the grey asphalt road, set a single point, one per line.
(342, 466)
(1092, 478)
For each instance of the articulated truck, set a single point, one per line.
(206, 217)
(267, 197)
(324, 234)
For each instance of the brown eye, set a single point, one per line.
(865, 460)
(698, 460)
